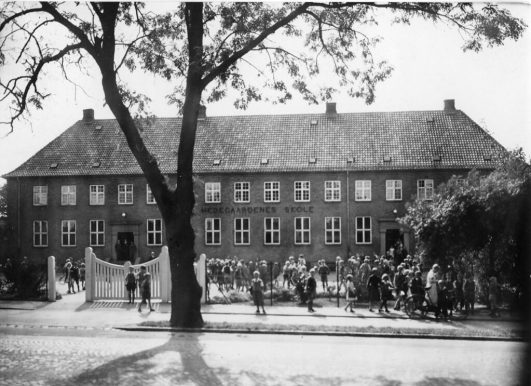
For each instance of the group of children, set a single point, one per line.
(143, 280)
(74, 273)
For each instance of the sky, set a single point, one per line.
(493, 87)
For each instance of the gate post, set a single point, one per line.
(200, 275)
(89, 275)
(165, 275)
(51, 279)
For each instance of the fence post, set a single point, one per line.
(89, 275)
(51, 279)
(200, 275)
(165, 277)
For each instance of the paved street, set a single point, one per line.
(68, 357)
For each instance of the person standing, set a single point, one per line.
(324, 271)
(130, 285)
(350, 293)
(386, 292)
(311, 289)
(373, 287)
(257, 287)
(144, 284)
(431, 282)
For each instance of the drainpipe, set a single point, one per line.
(348, 215)
(18, 216)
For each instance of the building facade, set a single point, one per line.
(266, 186)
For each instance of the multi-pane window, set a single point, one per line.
(302, 230)
(241, 192)
(424, 189)
(271, 230)
(68, 195)
(97, 195)
(213, 231)
(150, 199)
(302, 191)
(363, 190)
(40, 233)
(332, 190)
(332, 230)
(363, 230)
(125, 194)
(40, 195)
(271, 191)
(212, 192)
(68, 233)
(242, 234)
(154, 231)
(97, 233)
(393, 190)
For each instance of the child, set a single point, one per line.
(311, 289)
(66, 270)
(130, 285)
(144, 284)
(350, 293)
(82, 275)
(469, 292)
(74, 274)
(257, 286)
(373, 285)
(386, 292)
(323, 272)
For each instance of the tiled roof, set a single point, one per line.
(373, 141)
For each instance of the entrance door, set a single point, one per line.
(125, 246)
(393, 237)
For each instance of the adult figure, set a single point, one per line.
(311, 289)
(434, 275)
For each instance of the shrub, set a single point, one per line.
(24, 279)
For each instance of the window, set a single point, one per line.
(154, 231)
(241, 231)
(40, 233)
(302, 230)
(150, 199)
(213, 231)
(40, 195)
(125, 194)
(271, 191)
(332, 190)
(424, 189)
(97, 195)
(393, 190)
(241, 192)
(68, 195)
(212, 192)
(302, 191)
(363, 190)
(363, 230)
(271, 230)
(97, 233)
(68, 233)
(332, 230)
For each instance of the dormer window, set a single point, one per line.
(312, 161)
(264, 161)
(217, 162)
(54, 165)
(387, 159)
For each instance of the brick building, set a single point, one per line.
(267, 185)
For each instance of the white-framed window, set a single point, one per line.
(302, 191)
(393, 190)
(363, 190)
(212, 192)
(425, 189)
(332, 230)
(68, 195)
(241, 191)
(97, 195)
(125, 194)
(272, 230)
(363, 230)
(302, 230)
(271, 191)
(40, 233)
(40, 195)
(97, 233)
(150, 199)
(213, 231)
(154, 231)
(68, 233)
(242, 233)
(332, 191)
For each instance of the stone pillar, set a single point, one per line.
(51, 279)
(165, 275)
(200, 274)
(89, 275)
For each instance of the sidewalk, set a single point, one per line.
(73, 312)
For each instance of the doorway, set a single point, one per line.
(393, 238)
(125, 246)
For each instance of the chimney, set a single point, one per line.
(331, 108)
(88, 115)
(449, 105)
(202, 112)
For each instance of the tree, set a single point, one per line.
(483, 219)
(200, 48)
(3, 201)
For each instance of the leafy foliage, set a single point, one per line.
(3, 201)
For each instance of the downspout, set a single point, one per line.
(18, 216)
(348, 216)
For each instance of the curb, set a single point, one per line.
(317, 333)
